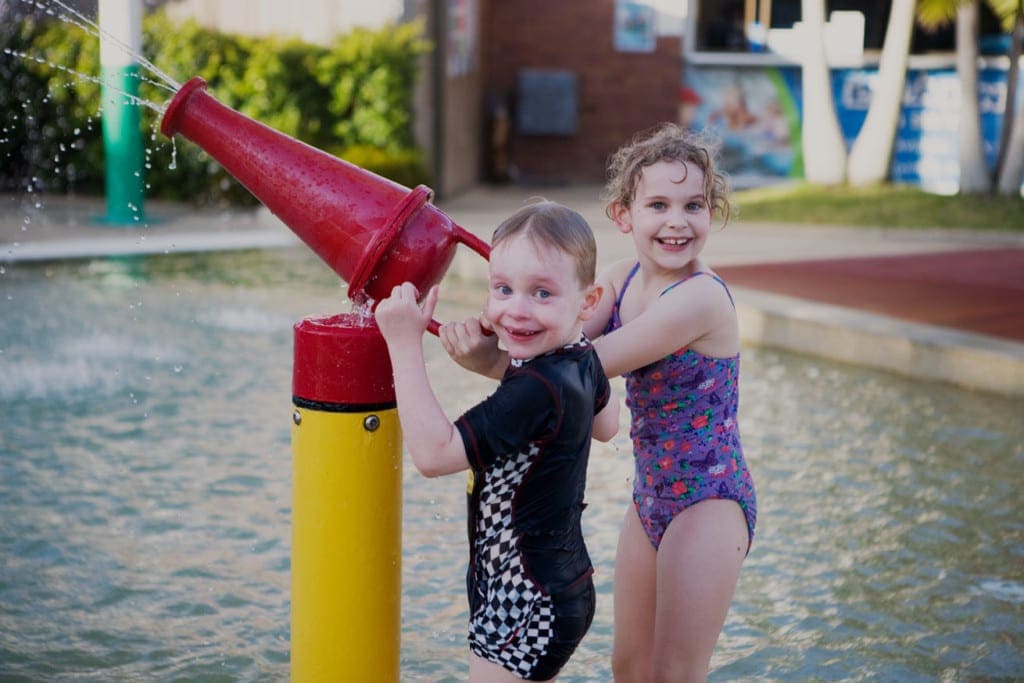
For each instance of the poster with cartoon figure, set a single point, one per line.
(634, 27)
(754, 114)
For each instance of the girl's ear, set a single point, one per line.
(620, 214)
(590, 301)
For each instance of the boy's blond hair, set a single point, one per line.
(550, 224)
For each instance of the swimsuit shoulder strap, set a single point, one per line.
(691, 275)
(615, 322)
(625, 284)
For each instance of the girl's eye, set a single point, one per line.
(658, 206)
(695, 206)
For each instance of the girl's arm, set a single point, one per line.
(432, 440)
(696, 314)
(606, 422)
(479, 353)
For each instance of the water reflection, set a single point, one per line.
(145, 496)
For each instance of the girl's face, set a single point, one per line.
(535, 302)
(670, 218)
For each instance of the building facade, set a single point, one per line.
(531, 91)
(535, 91)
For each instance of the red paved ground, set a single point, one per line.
(976, 291)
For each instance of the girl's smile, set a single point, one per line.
(674, 241)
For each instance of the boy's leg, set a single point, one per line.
(635, 571)
(699, 564)
(483, 671)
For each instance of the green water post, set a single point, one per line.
(120, 23)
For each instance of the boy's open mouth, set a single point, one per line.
(521, 334)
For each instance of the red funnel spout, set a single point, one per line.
(371, 231)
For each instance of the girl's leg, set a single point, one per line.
(635, 567)
(699, 564)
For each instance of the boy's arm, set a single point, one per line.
(477, 352)
(432, 440)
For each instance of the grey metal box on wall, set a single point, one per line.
(546, 102)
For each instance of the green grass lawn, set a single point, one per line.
(890, 206)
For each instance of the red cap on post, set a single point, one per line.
(341, 361)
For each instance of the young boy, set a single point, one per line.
(531, 596)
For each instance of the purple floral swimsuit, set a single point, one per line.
(686, 440)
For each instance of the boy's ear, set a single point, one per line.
(590, 301)
(620, 214)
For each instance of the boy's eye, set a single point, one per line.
(543, 294)
(504, 290)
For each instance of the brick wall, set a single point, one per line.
(619, 93)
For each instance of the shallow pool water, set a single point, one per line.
(145, 495)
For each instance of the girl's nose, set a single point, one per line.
(677, 218)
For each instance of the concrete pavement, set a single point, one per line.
(799, 314)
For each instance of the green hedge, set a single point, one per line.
(352, 98)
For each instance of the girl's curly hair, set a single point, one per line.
(666, 142)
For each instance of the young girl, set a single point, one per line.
(531, 595)
(669, 326)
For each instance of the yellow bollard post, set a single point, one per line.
(346, 504)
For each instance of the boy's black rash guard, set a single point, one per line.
(545, 404)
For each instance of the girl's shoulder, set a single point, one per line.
(617, 272)
(614, 276)
(703, 283)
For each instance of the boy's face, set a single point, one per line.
(535, 302)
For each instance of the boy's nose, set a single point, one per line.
(518, 306)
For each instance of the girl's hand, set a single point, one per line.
(470, 347)
(400, 318)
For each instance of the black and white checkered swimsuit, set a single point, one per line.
(513, 609)
(530, 592)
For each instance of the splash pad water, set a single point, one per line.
(145, 493)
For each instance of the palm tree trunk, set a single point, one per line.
(821, 138)
(1012, 175)
(974, 174)
(1010, 163)
(871, 155)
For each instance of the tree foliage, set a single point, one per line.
(354, 94)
